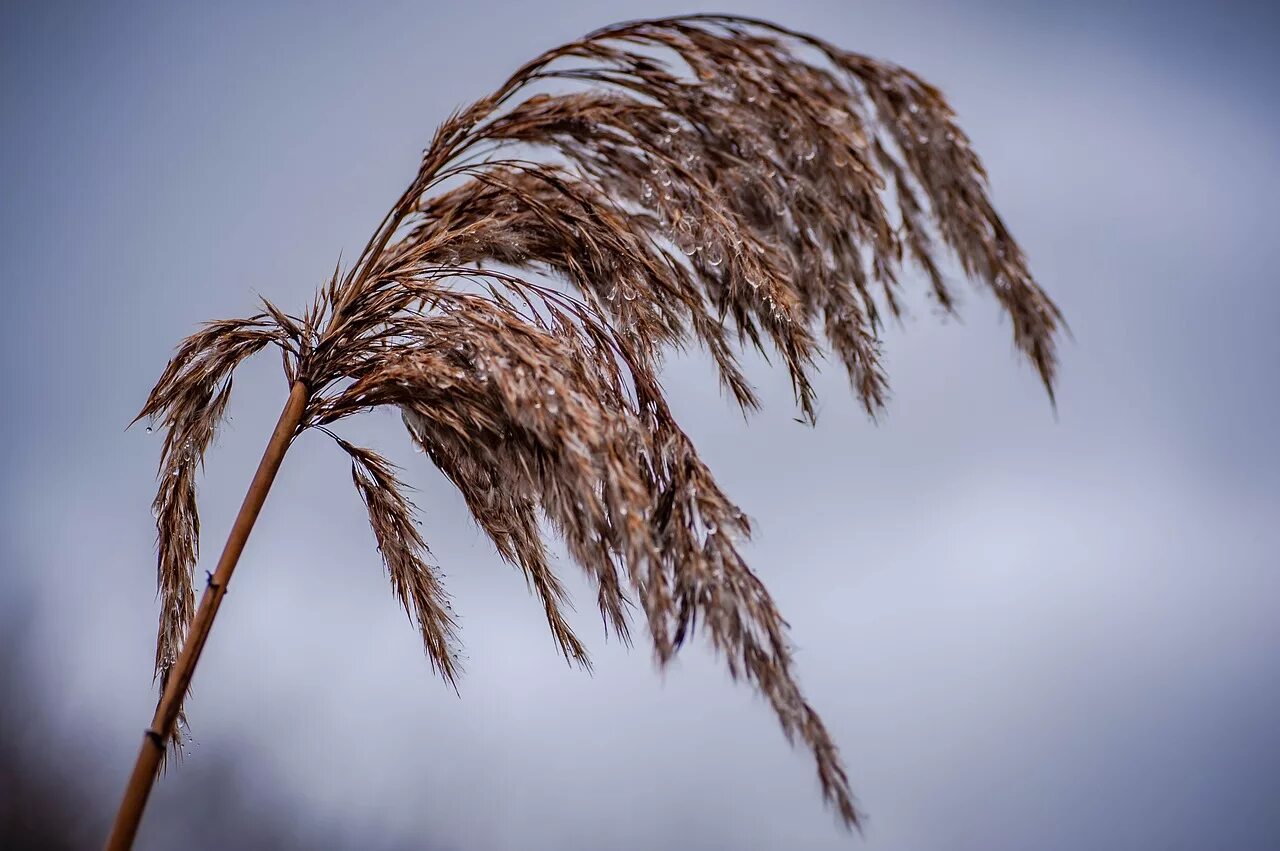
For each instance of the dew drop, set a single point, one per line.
(714, 255)
(150, 429)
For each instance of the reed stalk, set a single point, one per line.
(155, 740)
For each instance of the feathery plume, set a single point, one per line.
(708, 181)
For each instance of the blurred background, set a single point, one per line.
(1025, 630)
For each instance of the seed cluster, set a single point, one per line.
(701, 181)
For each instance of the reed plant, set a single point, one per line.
(705, 181)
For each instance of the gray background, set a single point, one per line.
(1025, 631)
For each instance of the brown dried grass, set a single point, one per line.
(705, 180)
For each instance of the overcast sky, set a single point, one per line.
(1025, 631)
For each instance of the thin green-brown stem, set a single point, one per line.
(156, 738)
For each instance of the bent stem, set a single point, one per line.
(156, 738)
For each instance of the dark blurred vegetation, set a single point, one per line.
(51, 798)
(43, 804)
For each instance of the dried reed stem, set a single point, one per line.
(156, 739)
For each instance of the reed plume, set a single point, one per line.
(707, 181)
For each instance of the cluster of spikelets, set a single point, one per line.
(704, 180)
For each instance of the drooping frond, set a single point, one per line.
(416, 582)
(547, 414)
(189, 402)
(704, 181)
